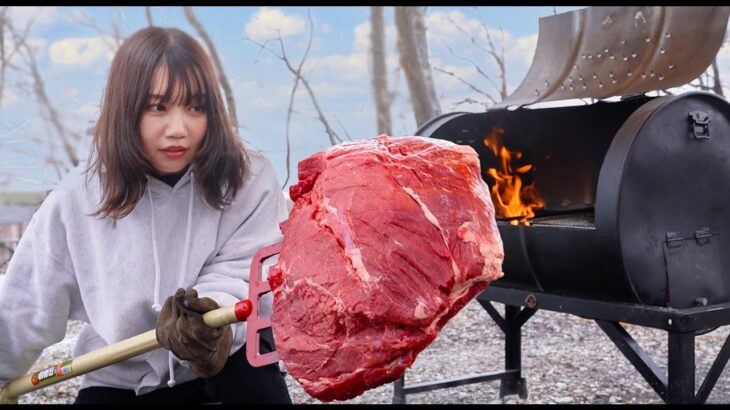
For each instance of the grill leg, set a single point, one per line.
(513, 383)
(681, 368)
(399, 396)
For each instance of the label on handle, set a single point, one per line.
(49, 373)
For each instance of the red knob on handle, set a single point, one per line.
(242, 309)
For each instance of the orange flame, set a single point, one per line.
(512, 200)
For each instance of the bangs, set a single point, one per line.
(185, 83)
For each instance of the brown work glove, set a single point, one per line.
(180, 328)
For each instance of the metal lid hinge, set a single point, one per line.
(702, 235)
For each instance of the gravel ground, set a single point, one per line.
(565, 359)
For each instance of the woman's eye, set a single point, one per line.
(197, 108)
(157, 107)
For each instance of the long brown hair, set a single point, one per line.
(118, 157)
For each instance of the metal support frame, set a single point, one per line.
(511, 378)
(681, 325)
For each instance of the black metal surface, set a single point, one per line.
(643, 170)
(657, 317)
(658, 179)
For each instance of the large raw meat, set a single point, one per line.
(388, 239)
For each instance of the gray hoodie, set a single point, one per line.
(70, 265)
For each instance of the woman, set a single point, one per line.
(170, 201)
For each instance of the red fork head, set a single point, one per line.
(257, 287)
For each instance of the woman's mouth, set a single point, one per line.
(174, 151)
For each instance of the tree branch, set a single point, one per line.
(190, 15)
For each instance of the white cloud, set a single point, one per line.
(269, 23)
(351, 67)
(455, 26)
(78, 52)
(457, 30)
(41, 16)
(523, 50)
(8, 97)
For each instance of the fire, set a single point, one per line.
(511, 199)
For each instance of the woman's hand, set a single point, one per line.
(180, 328)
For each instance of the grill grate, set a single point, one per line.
(580, 220)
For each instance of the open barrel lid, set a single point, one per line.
(600, 52)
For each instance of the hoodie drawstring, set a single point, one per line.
(181, 278)
(156, 305)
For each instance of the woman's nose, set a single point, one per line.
(176, 120)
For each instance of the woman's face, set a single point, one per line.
(171, 132)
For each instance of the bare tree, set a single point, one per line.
(148, 13)
(48, 111)
(379, 72)
(413, 51)
(717, 85)
(190, 15)
(298, 77)
(3, 65)
(113, 40)
(707, 81)
(498, 82)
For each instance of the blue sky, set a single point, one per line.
(74, 57)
